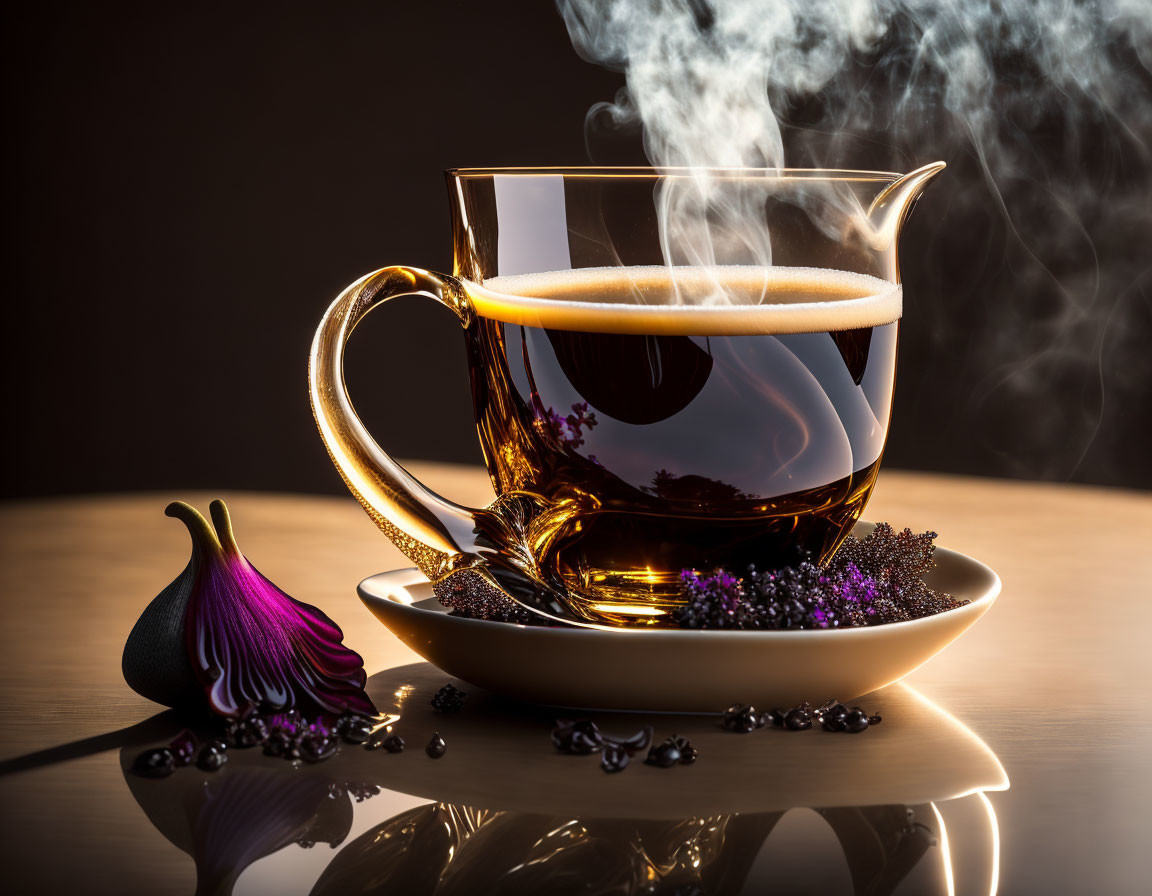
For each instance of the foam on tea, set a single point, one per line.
(698, 418)
(715, 300)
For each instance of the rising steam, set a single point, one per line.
(710, 82)
(1043, 110)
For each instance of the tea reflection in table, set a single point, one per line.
(902, 808)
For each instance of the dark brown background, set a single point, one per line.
(187, 185)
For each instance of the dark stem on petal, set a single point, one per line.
(223, 523)
(204, 540)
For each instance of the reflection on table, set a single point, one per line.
(902, 808)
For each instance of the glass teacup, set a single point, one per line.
(674, 369)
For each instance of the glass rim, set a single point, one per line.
(621, 172)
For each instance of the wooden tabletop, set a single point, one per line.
(1052, 680)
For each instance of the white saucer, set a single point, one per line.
(674, 670)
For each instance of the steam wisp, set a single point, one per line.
(1043, 110)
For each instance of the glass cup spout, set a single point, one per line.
(891, 208)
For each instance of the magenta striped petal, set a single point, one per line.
(250, 643)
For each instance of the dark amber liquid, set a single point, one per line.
(649, 454)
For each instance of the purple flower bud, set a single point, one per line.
(245, 642)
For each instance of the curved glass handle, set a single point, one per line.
(434, 533)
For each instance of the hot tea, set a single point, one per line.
(670, 418)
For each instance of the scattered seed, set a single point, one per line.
(614, 758)
(634, 744)
(158, 763)
(577, 738)
(856, 721)
(449, 699)
(315, 747)
(358, 733)
(664, 755)
(831, 716)
(183, 748)
(436, 747)
(394, 743)
(212, 756)
(742, 718)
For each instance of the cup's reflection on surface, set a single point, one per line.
(900, 809)
(441, 848)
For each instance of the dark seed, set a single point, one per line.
(682, 743)
(833, 719)
(248, 732)
(212, 756)
(741, 718)
(394, 743)
(349, 720)
(798, 719)
(449, 699)
(775, 718)
(581, 743)
(664, 755)
(634, 744)
(358, 732)
(856, 721)
(183, 748)
(436, 747)
(577, 738)
(360, 792)
(615, 758)
(383, 740)
(688, 752)
(158, 763)
(279, 743)
(315, 747)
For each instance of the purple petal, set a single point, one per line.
(250, 643)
